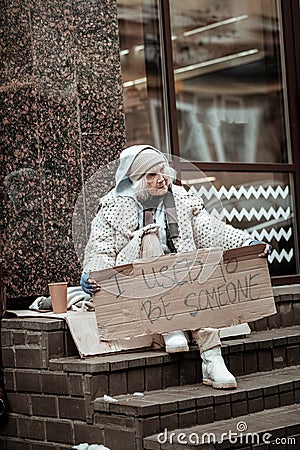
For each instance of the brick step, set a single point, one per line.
(155, 369)
(186, 406)
(47, 394)
(287, 299)
(277, 428)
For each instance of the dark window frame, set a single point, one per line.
(291, 36)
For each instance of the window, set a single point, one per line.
(228, 79)
(141, 50)
(209, 86)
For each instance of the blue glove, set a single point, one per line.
(88, 284)
(268, 248)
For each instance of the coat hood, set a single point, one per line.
(123, 182)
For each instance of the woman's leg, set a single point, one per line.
(207, 338)
(214, 370)
(175, 341)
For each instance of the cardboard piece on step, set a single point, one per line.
(185, 291)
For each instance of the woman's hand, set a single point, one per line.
(267, 249)
(89, 285)
(266, 252)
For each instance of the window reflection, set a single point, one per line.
(228, 80)
(140, 53)
(231, 105)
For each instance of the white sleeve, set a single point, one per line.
(211, 232)
(100, 251)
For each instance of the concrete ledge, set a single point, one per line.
(291, 289)
(279, 425)
(33, 323)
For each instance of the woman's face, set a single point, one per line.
(157, 181)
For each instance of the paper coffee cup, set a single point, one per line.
(58, 294)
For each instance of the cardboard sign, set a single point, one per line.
(187, 291)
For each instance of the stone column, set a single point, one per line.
(62, 119)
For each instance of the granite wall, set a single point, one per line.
(62, 119)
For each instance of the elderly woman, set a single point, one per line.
(147, 215)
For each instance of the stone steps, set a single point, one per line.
(278, 428)
(155, 369)
(181, 407)
(52, 392)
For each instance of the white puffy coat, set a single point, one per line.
(115, 237)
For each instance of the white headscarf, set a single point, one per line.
(127, 157)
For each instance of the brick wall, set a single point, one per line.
(51, 391)
(46, 404)
(287, 300)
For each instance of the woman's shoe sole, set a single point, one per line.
(184, 348)
(232, 385)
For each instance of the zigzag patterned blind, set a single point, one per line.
(272, 224)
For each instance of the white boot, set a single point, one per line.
(175, 341)
(214, 370)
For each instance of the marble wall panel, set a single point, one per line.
(98, 65)
(101, 107)
(61, 166)
(62, 97)
(15, 32)
(23, 212)
(53, 46)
